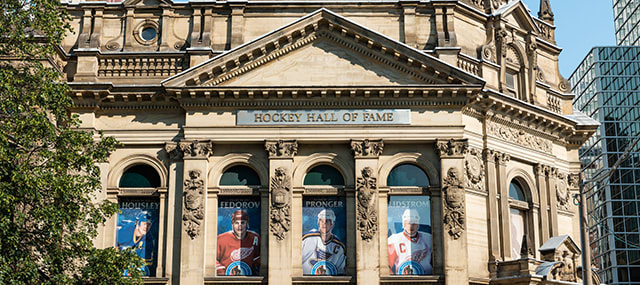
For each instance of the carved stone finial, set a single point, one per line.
(366, 205)
(454, 209)
(281, 148)
(193, 203)
(452, 147)
(474, 170)
(367, 148)
(196, 149)
(545, 12)
(280, 212)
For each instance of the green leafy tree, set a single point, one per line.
(48, 176)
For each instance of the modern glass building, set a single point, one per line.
(606, 85)
(626, 18)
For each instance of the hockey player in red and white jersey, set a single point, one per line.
(410, 251)
(322, 252)
(239, 248)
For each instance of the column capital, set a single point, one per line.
(189, 149)
(503, 158)
(574, 180)
(281, 148)
(367, 148)
(489, 155)
(538, 169)
(452, 147)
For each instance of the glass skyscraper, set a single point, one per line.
(626, 18)
(607, 88)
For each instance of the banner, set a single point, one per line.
(137, 229)
(324, 228)
(410, 242)
(238, 250)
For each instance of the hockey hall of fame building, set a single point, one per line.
(368, 142)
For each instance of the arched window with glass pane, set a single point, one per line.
(518, 216)
(240, 175)
(409, 241)
(324, 175)
(140, 176)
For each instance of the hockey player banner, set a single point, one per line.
(324, 228)
(238, 236)
(410, 242)
(137, 229)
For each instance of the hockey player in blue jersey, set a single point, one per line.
(322, 252)
(136, 235)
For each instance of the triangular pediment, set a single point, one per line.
(146, 3)
(517, 14)
(322, 49)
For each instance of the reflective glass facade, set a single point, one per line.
(626, 18)
(607, 88)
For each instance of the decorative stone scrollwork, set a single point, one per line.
(367, 148)
(367, 215)
(193, 204)
(518, 136)
(179, 45)
(564, 85)
(489, 52)
(452, 147)
(562, 191)
(281, 148)
(454, 209)
(540, 74)
(200, 149)
(280, 211)
(113, 45)
(474, 170)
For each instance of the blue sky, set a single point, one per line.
(580, 25)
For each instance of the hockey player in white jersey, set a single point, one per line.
(410, 251)
(322, 252)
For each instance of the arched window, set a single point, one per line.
(240, 175)
(514, 74)
(518, 214)
(323, 175)
(140, 176)
(407, 175)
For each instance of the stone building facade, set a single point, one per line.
(455, 106)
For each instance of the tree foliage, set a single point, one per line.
(48, 176)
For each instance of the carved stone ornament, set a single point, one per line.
(193, 204)
(476, 3)
(367, 201)
(367, 148)
(563, 193)
(489, 52)
(564, 85)
(173, 150)
(199, 149)
(454, 209)
(519, 137)
(502, 37)
(474, 170)
(452, 147)
(281, 148)
(280, 211)
(502, 158)
(540, 75)
(489, 155)
(574, 180)
(545, 12)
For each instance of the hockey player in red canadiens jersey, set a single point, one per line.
(410, 250)
(239, 248)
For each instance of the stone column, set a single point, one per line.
(492, 205)
(544, 203)
(552, 175)
(456, 269)
(503, 191)
(176, 171)
(281, 154)
(368, 214)
(194, 207)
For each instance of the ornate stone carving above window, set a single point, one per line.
(367, 202)
(280, 211)
(367, 148)
(196, 149)
(474, 170)
(452, 147)
(281, 148)
(518, 137)
(193, 204)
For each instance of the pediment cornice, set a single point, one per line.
(326, 25)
